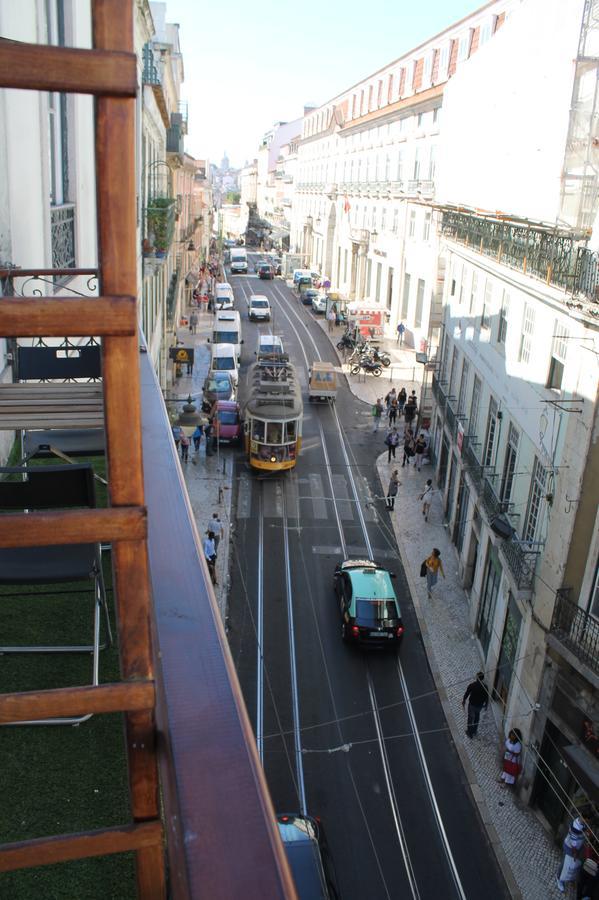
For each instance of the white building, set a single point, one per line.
(269, 153)
(367, 163)
(516, 386)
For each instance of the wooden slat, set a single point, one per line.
(64, 847)
(112, 22)
(74, 526)
(68, 316)
(45, 68)
(76, 701)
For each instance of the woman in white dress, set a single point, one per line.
(511, 758)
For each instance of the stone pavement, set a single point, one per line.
(208, 478)
(526, 852)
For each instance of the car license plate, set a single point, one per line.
(380, 634)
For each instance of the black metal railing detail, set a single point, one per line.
(171, 298)
(150, 70)
(62, 222)
(439, 394)
(576, 629)
(521, 557)
(558, 258)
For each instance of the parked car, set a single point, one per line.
(224, 359)
(319, 303)
(229, 420)
(217, 386)
(308, 855)
(368, 604)
(266, 271)
(308, 296)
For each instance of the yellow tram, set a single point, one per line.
(273, 416)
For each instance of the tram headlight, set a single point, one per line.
(273, 459)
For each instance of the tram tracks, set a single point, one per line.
(287, 310)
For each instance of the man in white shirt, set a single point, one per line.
(427, 497)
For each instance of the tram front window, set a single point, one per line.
(274, 432)
(291, 432)
(258, 430)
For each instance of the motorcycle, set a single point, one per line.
(378, 355)
(367, 364)
(346, 342)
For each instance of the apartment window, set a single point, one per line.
(390, 89)
(503, 314)
(419, 303)
(345, 266)
(426, 229)
(417, 159)
(361, 102)
(354, 101)
(405, 300)
(486, 31)
(558, 357)
(464, 46)
(368, 274)
(428, 68)
(379, 96)
(509, 464)
(473, 292)
(387, 167)
(395, 221)
(373, 218)
(400, 165)
(538, 490)
(436, 114)
(377, 290)
(390, 275)
(528, 326)
(454, 373)
(383, 218)
(364, 216)
(419, 120)
(491, 432)
(486, 615)
(444, 62)
(463, 387)
(475, 406)
(370, 93)
(485, 318)
(412, 223)
(432, 162)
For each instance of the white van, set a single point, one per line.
(224, 359)
(239, 260)
(227, 330)
(223, 295)
(259, 308)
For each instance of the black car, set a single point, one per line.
(308, 854)
(370, 613)
(266, 271)
(308, 296)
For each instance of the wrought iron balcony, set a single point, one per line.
(474, 469)
(417, 186)
(521, 557)
(150, 70)
(576, 629)
(450, 418)
(491, 502)
(360, 235)
(160, 223)
(556, 257)
(174, 138)
(171, 298)
(439, 394)
(62, 223)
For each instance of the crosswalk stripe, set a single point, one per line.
(319, 507)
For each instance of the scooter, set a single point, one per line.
(368, 365)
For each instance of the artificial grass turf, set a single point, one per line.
(56, 778)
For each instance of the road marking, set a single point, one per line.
(273, 499)
(319, 507)
(341, 497)
(244, 496)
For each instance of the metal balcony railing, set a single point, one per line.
(558, 257)
(439, 394)
(521, 557)
(160, 223)
(576, 629)
(171, 298)
(62, 224)
(491, 502)
(474, 469)
(450, 418)
(150, 71)
(360, 235)
(174, 138)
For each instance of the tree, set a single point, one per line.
(232, 197)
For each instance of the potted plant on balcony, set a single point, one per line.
(160, 224)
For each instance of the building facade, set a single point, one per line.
(363, 208)
(516, 383)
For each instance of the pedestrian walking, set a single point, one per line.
(217, 529)
(208, 430)
(197, 438)
(401, 401)
(193, 322)
(184, 447)
(419, 448)
(377, 412)
(177, 432)
(331, 317)
(427, 497)
(394, 483)
(210, 555)
(433, 567)
(401, 328)
(408, 447)
(573, 848)
(410, 408)
(392, 442)
(389, 398)
(511, 758)
(477, 695)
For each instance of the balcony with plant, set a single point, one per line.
(160, 225)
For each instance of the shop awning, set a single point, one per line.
(584, 768)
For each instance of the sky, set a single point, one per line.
(249, 65)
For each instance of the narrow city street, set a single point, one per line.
(357, 739)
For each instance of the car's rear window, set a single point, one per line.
(225, 363)
(375, 610)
